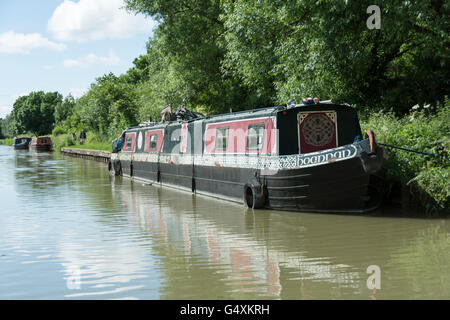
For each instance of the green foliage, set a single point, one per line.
(247, 54)
(58, 130)
(64, 110)
(188, 65)
(324, 49)
(7, 126)
(6, 141)
(35, 112)
(93, 141)
(423, 130)
(108, 107)
(435, 183)
(61, 141)
(96, 141)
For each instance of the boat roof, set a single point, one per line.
(253, 113)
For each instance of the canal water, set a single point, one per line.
(69, 230)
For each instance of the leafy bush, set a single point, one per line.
(69, 141)
(7, 141)
(61, 141)
(58, 130)
(424, 130)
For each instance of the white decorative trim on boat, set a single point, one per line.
(274, 162)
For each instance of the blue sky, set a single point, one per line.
(56, 45)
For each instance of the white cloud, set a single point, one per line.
(77, 92)
(5, 110)
(96, 19)
(92, 59)
(12, 42)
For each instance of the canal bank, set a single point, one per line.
(97, 155)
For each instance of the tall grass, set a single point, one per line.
(93, 141)
(6, 141)
(423, 130)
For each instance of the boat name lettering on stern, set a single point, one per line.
(321, 158)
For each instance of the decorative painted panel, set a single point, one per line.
(317, 130)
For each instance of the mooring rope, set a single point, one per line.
(410, 150)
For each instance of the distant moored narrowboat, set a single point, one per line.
(309, 157)
(41, 144)
(21, 143)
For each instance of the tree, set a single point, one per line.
(324, 48)
(188, 56)
(241, 54)
(7, 126)
(35, 112)
(109, 105)
(64, 110)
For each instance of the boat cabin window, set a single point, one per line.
(255, 136)
(153, 141)
(222, 138)
(128, 142)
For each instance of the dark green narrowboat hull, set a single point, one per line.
(340, 186)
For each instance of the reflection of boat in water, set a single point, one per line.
(41, 144)
(21, 143)
(304, 157)
(259, 253)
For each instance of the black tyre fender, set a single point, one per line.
(109, 165)
(254, 194)
(117, 167)
(372, 162)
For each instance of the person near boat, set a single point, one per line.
(82, 137)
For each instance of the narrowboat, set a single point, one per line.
(41, 144)
(309, 157)
(21, 143)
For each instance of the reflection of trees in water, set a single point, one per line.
(93, 180)
(424, 264)
(40, 171)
